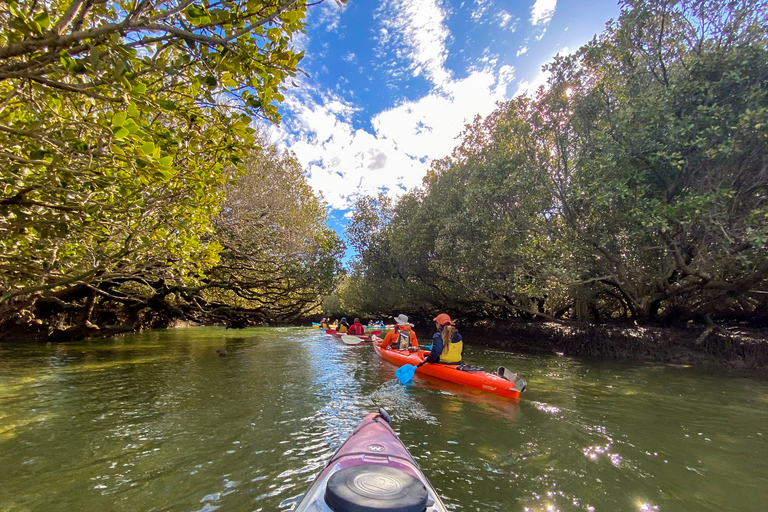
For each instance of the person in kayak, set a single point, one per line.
(447, 344)
(356, 329)
(402, 336)
(343, 325)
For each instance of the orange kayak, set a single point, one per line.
(475, 379)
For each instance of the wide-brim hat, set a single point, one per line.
(401, 319)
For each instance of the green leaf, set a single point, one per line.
(193, 12)
(43, 20)
(163, 175)
(148, 147)
(120, 132)
(166, 160)
(167, 105)
(118, 119)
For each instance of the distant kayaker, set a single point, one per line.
(402, 336)
(343, 325)
(356, 329)
(324, 323)
(447, 344)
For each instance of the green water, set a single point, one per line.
(158, 421)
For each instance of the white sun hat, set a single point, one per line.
(401, 319)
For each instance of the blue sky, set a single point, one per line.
(393, 82)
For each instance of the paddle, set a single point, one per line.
(405, 373)
(351, 340)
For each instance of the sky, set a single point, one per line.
(390, 84)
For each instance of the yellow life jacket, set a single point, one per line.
(451, 352)
(342, 328)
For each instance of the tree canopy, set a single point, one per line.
(633, 186)
(120, 125)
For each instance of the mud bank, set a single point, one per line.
(694, 345)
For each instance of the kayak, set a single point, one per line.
(372, 472)
(475, 379)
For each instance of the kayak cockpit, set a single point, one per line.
(372, 472)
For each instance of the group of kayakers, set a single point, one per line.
(447, 344)
(343, 326)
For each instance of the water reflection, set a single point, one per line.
(159, 421)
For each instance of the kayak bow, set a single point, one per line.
(372, 472)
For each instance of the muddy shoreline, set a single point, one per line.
(732, 348)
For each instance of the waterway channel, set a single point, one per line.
(158, 421)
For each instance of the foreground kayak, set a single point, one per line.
(476, 379)
(372, 472)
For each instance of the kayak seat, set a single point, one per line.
(375, 488)
(470, 368)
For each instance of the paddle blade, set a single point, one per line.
(351, 340)
(405, 373)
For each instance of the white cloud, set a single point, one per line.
(507, 21)
(521, 51)
(542, 12)
(345, 163)
(329, 14)
(480, 7)
(414, 31)
(392, 150)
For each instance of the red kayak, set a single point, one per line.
(372, 472)
(476, 379)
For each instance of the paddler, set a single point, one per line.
(356, 329)
(402, 336)
(447, 344)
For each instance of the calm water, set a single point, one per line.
(158, 421)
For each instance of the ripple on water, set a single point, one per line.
(395, 399)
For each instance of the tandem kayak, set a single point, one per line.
(476, 379)
(372, 472)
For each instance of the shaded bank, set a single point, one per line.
(695, 345)
(739, 348)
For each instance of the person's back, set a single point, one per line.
(402, 336)
(447, 344)
(356, 329)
